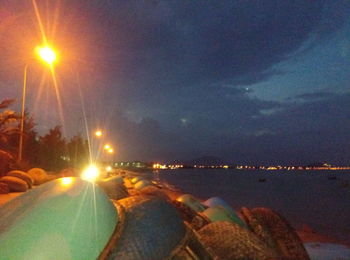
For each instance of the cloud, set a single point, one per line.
(143, 44)
(164, 61)
(318, 130)
(316, 95)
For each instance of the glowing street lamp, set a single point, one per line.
(48, 55)
(110, 150)
(98, 133)
(107, 147)
(91, 173)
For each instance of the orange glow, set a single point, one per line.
(66, 181)
(110, 150)
(47, 54)
(98, 133)
(91, 173)
(107, 147)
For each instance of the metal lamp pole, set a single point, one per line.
(20, 148)
(48, 55)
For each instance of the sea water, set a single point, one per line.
(319, 199)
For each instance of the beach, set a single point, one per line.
(316, 201)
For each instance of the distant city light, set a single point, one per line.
(107, 147)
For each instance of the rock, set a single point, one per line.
(14, 183)
(4, 188)
(39, 175)
(22, 175)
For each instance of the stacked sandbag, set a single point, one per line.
(14, 184)
(38, 175)
(4, 188)
(15, 181)
(5, 161)
(23, 176)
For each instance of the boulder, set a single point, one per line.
(15, 184)
(38, 175)
(22, 175)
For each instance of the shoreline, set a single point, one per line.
(161, 189)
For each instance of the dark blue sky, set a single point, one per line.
(259, 81)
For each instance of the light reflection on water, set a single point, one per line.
(303, 197)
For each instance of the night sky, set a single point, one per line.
(256, 82)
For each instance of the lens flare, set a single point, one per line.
(47, 54)
(66, 181)
(98, 133)
(91, 173)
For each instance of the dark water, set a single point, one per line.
(303, 197)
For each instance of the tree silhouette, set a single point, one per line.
(78, 151)
(53, 150)
(8, 128)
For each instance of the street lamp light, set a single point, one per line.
(48, 55)
(98, 133)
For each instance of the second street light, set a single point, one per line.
(48, 55)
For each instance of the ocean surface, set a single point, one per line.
(319, 199)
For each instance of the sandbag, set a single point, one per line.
(14, 183)
(39, 175)
(22, 175)
(4, 188)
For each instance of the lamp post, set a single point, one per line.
(98, 133)
(48, 55)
